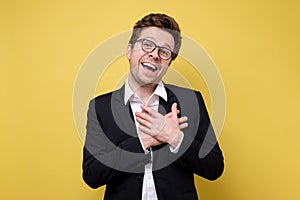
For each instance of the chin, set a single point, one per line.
(149, 84)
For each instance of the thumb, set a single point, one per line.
(174, 110)
(170, 114)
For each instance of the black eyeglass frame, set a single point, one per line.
(155, 47)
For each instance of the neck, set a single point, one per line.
(144, 91)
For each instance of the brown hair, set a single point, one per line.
(161, 21)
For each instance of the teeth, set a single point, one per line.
(149, 66)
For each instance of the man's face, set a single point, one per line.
(147, 69)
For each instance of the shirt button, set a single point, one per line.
(139, 179)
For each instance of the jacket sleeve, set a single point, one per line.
(104, 161)
(202, 154)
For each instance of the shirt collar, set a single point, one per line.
(159, 90)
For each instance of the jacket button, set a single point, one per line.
(139, 179)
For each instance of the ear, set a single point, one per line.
(128, 51)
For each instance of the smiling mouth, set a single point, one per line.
(149, 67)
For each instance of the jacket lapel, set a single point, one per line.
(165, 107)
(122, 112)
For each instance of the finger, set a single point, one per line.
(151, 112)
(183, 125)
(182, 119)
(146, 130)
(147, 109)
(170, 114)
(144, 134)
(144, 116)
(143, 122)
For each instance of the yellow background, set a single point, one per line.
(255, 45)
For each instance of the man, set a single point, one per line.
(148, 139)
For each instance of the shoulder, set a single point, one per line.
(186, 96)
(177, 90)
(117, 94)
(103, 97)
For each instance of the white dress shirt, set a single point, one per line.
(149, 191)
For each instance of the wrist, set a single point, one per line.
(176, 139)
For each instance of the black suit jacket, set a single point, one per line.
(113, 154)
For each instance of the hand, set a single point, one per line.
(165, 129)
(148, 140)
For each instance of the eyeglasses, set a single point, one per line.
(149, 46)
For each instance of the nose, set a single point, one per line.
(154, 53)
